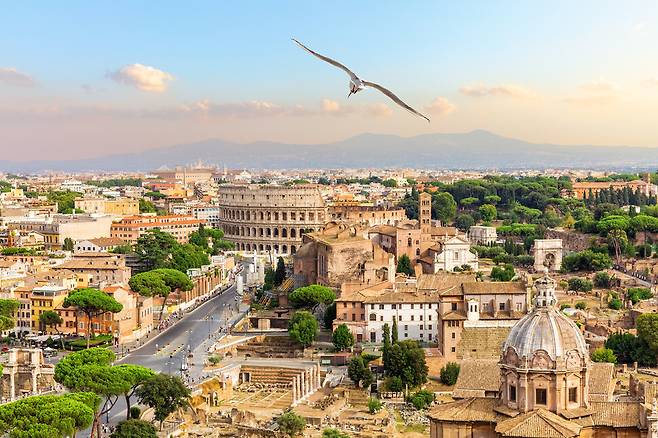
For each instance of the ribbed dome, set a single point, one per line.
(545, 337)
(549, 330)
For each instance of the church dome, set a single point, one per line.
(545, 338)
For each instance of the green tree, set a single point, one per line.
(618, 240)
(637, 294)
(91, 370)
(444, 207)
(333, 433)
(51, 319)
(390, 183)
(464, 221)
(394, 332)
(602, 279)
(134, 376)
(342, 337)
(449, 373)
(647, 330)
(329, 315)
(359, 372)
(303, 328)
(422, 399)
(165, 394)
(68, 244)
(93, 303)
(290, 423)
(374, 405)
(407, 361)
(604, 355)
(488, 212)
(580, 284)
(134, 429)
(48, 416)
(404, 266)
(8, 308)
(160, 282)
(505, 273)
(312, 296)
(280, 272)
(146, 206)
(386, 347)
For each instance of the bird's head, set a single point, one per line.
(354, 88)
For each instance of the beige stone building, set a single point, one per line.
(353, 212)
(103, 268)
(113, 207)
(259, 217)
(547, 387)
(340, 253)
(56, 228)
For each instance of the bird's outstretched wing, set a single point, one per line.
(394, 98)
(329, 60)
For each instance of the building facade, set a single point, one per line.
(259, 217)
(133, 227)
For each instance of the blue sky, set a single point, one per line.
(564, 72)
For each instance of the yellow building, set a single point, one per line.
(45, 298)
(116, 207)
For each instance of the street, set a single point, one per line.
(167, 351)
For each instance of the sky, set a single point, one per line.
(82, 79)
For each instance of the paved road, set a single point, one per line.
(166, 352)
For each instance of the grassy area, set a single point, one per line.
(96, 341)
(409, 428)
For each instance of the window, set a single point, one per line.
(454, 335)
(429, 327)
(429, 317)
(540, 396)
(519, 307)
(452, 349)
(381, 307)
(400, 318)
(573, 395)
(501, 306)
(373, 317)
(372, 307)
(406, 327)
(429, 336)
(453, 306)
(393, 306)
(412, 317)
(412, 306)
(512, 393)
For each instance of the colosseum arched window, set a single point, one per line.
(293, 233)
(284, 232)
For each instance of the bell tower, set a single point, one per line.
(425, 214)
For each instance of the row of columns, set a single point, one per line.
(305, 383)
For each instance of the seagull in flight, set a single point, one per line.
(357, 84)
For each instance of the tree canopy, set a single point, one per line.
(157, 249)
(165, 394)
(407, 361)
(404, 266)
(291, 424)
(134, 429)
(93, 303)
(48, 416)
(303, 328)
(160, 282)
(342, 337)
(311, 296)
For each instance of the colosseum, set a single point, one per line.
(268, 217)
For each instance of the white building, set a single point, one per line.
(454, 252)
(482, 235)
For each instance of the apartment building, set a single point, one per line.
(179, 226)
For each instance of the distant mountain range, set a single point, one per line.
(472, 150)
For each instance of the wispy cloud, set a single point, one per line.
(651, 82)
(503, 90)
(143, 77)
(11, 76)
(593, 94)
(440, 106)
(599, 86)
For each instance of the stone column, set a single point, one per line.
(309, 381)
(302, 384)
(294, 390)
(12, 386)
(317, 372)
